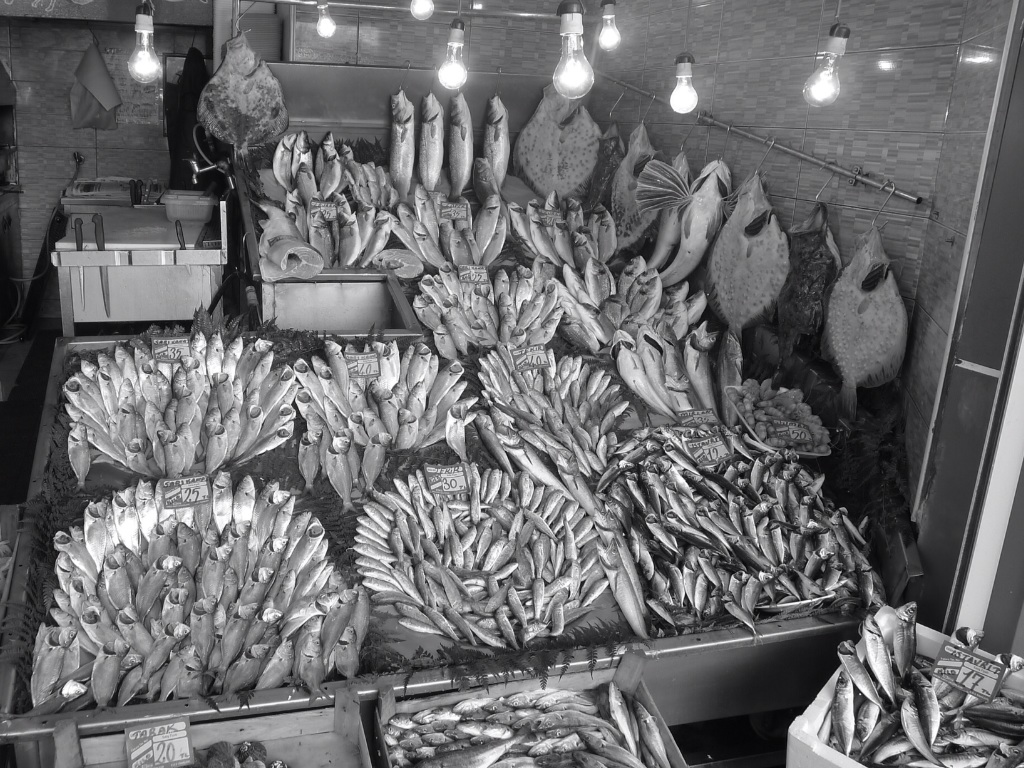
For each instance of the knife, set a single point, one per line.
(135, 191)
(181, 234)
(101, 245)
(79, 244)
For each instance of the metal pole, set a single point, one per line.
(704, 118)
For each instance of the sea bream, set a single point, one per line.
(557, 149)
(749, 260)
(431, 141)
(403, 143)
(496, 141)
(460, 145)
(865, 322)
(631, 223)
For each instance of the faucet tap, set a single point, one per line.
(221, 165)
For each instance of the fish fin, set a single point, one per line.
(848, 400)
(757, 224)
(876, 274)
(886, 372)
(660, 186)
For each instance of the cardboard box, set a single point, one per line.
(627, 675)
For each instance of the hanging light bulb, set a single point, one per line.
(609, 37)
(422, 9)
(574, 77)
(822, 88)
(452, 74)
(684, 96)
(325, 25)
(144, 65)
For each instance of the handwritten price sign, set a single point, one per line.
(969, 671)
(792, 430)
(170, 349)
(453, 211)
(447, 480)
(165, 745)
(186, 492)
(473, 274)
(329, 211)
(697, 419)
(363, 366)
(708, 451)
(530, 358)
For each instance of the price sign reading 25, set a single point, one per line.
(185, 491)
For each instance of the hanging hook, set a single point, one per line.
(892, 190)
(497, 83)
(771, 145)
(686, 137)
(241, 13)
(616, 102)
(646, 111)
(407, 66)
(831, 176)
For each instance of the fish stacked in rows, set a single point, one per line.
(358, 405)
(713, 533)
(561, 233)
(509, 561)
(530, 729)
(890, 708)
(158, 599)
(652, 367)
(692, 212)
(441, 233)
(344, 233)
(213, 407)
(512, 307)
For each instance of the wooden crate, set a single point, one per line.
(627, 675)
(312, 738)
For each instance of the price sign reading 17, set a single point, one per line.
(164, 745)
(185, 492)
(447, 481)
(363, 366)
(169, 349)
(530, 358)
(970, 672)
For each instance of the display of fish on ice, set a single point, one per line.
(865, 322)
(243, 103)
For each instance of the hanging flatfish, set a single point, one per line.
(813, 266)
(609, 154)
(557, 150)
(749, 260)
(630, 223)
(243, 103)
(865, 322)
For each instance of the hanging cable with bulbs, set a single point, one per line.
(609, 37)
(684, 95)
(144, 65)
(452, 74)
(573, 77)
(822, 87)
(421, 10)
(325, 25)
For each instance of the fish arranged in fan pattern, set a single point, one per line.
(212, 406)
(161, 599)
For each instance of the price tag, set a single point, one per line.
(365, 365)
(969, 672)
(698, 418)
(548, 217)
(329, 211)
(185, 491)
(447, 480)
(163, 745)
(530, 358)
(453, 211)
(708, 451)
(473, 273)
(792, 430)
(170, 349)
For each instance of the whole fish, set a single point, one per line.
(843, 714)
(609, 155)
(631, 223)
(460, 145)
(865, 322)
(403, 143)
(669, 227)
(496, 140)
(904, 645)
(814, 265)
(327, 167)
(749, 260)
(431, 155)
(730, 374)
(282, 162)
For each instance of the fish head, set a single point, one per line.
(496, 111)
(401, 107)
(430, 108)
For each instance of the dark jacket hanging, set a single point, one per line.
(181, 100)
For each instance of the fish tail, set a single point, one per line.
(661, 186)
(848, 400)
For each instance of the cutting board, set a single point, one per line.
(131, 229)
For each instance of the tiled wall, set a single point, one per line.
(917, 87)
(979, 58)
(42, 57)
